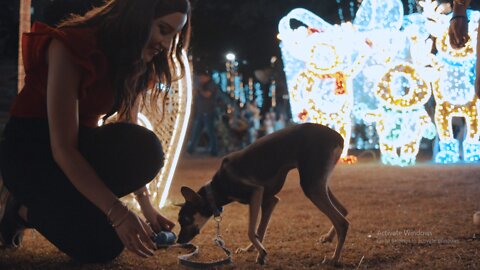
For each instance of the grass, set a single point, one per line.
(401, 218)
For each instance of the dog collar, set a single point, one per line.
(211, 201)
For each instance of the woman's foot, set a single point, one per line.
(11, 225)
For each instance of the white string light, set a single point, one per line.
(318, 61)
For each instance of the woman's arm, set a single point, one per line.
(64, 78)
(154, 218)
(458, 30)
(62, 106)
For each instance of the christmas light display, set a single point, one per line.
(258, 94)
(340, 11)
(454, 93)
(402, 92)
(402, 120)
(319, 65)
(384, 58)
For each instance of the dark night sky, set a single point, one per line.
(247, 28)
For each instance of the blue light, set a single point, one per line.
(381, 66)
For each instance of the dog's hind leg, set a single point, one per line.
(268, 205)
(314, 177)
(328, 237)
(318, 195)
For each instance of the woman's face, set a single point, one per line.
(163, 31)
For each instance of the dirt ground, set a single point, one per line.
(401, 218)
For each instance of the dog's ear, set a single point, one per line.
(191, 196)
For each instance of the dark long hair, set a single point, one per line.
(123, 30)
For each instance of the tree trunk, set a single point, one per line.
(25, 6)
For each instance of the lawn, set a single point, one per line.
(400, 218)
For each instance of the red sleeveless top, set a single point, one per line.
(96, 96)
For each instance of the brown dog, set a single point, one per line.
(257, 173)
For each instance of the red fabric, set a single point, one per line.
(95, 92)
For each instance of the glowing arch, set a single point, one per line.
(171, 130)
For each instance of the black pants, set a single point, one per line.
(125, 156)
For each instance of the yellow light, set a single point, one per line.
(402, 121)
(413, 97)
(322, 89)
(454, 94)
(181, 123)
(445, 47)
(143, 121)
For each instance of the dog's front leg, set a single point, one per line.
(255, 204)
(267, 209)
(268, 205)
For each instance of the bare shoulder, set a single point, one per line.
(64, 75)
(58, 53)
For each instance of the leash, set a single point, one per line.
(185, 260)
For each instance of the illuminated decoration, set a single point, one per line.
(346, 49)
(454, 91)
(379, 15)
(170, 127)
(384, 58)
(352, 8)
(259, 94)
(412, 4)
(320, 61)
(340, 11)
(379, 22)
(143, 121)
(349, 160)
(171, 130)
(402, 121)
(402, 91)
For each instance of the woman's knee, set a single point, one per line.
(124, 146)
(147, 152)
(97, 255)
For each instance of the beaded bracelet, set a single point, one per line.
(459, 16)
(109, 212)
(122, 219)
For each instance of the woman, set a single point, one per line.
(64, 173)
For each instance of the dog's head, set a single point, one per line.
(192, 216)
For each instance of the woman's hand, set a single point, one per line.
(134, 233)
(458, 32)
(458, 29)
(156, 220)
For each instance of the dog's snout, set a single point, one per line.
(183, 238)
(186, 235)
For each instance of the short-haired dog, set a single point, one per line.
(255, 174)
